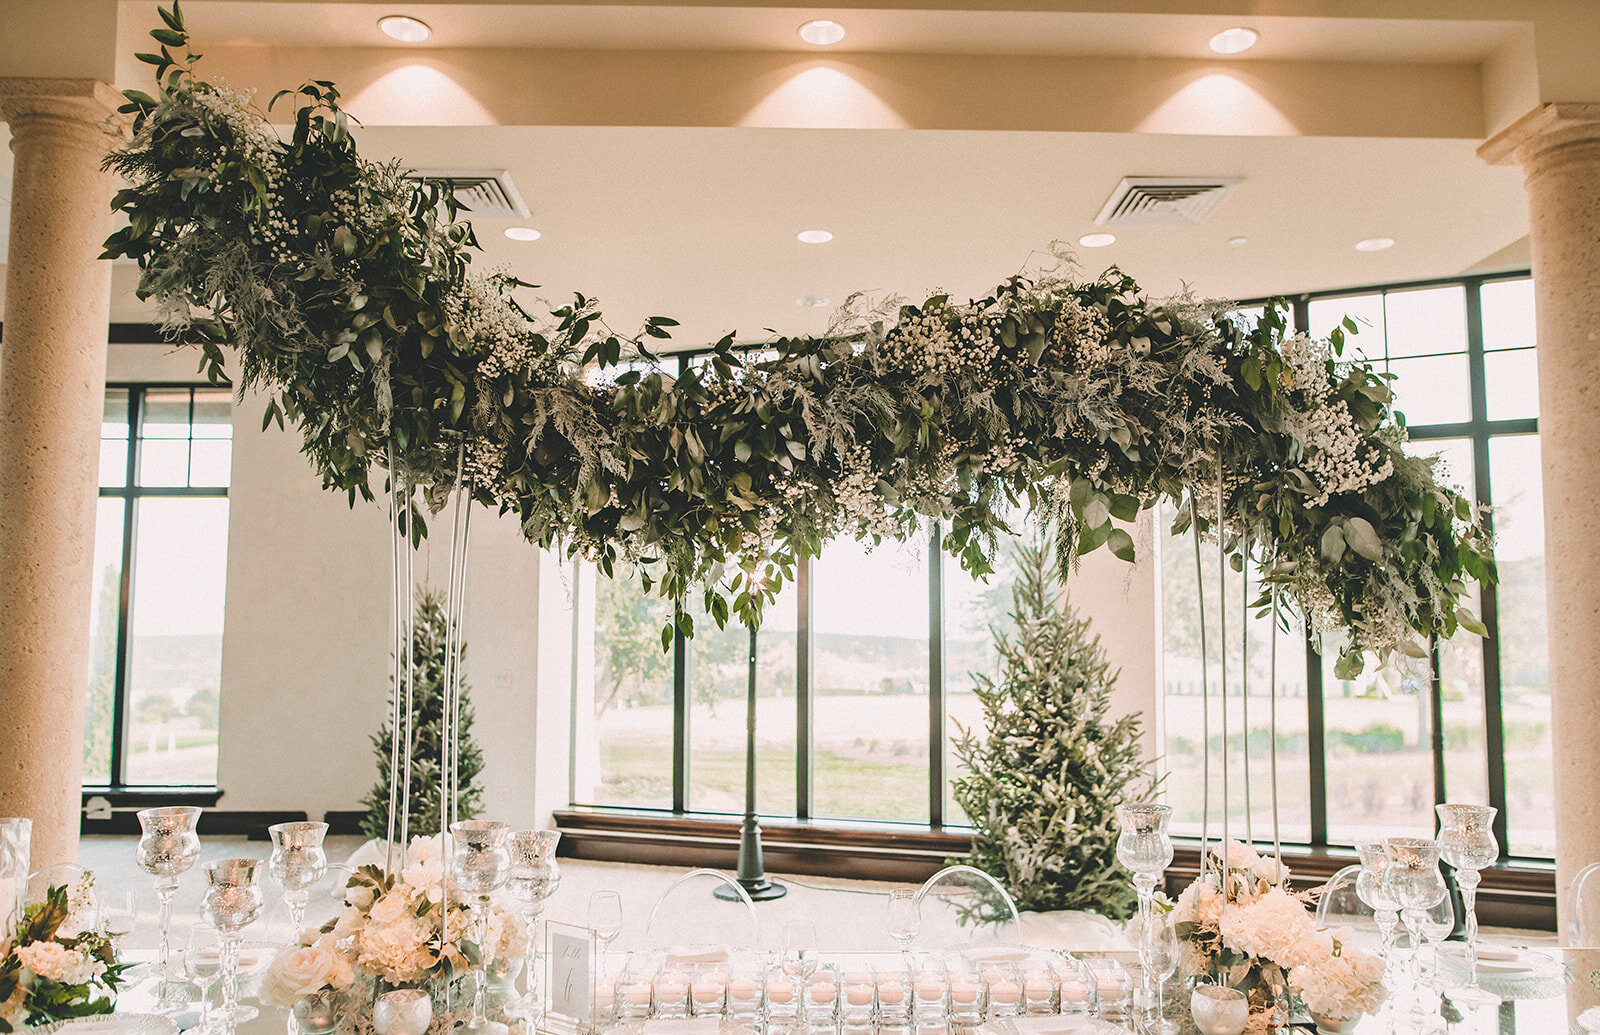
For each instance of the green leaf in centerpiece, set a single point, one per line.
(1363, 539)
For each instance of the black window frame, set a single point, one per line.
(1478, 429)
(132, 493)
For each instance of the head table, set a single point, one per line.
(1544, 1001)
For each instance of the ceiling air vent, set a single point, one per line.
(1165, 200)
(486, 193)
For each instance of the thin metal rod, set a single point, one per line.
(1222, 659)
(456, 671)
(1205, 692)
(1272, 723)
(395, 775)
(407, 602)
(1244, 683)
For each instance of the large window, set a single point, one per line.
(161, 545)
(1370, 757)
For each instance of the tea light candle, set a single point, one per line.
(1005, 991)
(858, 994)
(742, 988)
(823, 992)
(1037, 983)
(929, 988)
(1109, 984)
(1073, 991)
(672, 988)
(891, 992)
(964, 992)
(779, 990)
(637, 994)
(706, 990)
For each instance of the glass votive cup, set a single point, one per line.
(856, 998)
(708, 990)
(744, 995)
(634, 993)
(782, 996)
(1075, 987)
(605, 1000)
(1113, 989)
(821, 1004)
(892, 988)
(1038, 987)
(930, 996)
(671, 994)
(1003, 990)
(965, 990)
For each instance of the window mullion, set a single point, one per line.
(1488, 597)
(130, 504)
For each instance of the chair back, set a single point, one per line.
(962, 905)
(1583, 909)
(704, 911)
(83, 902)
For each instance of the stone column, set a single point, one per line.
(1558, 148)
(52, 391)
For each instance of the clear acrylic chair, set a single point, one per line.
(689, 921)
(324, 903)
(1583, 909)
(85, 904)
(960, 906)
(1338, 905)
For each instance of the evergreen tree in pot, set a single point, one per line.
(429, 651)
(1049, 768)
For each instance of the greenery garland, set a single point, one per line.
(344, 289)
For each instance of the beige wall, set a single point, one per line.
(306, 634)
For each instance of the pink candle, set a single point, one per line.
(891, 993)
(1005, 991)
(742, 988)
(1073, 992)
(780, 991)
(823, 992)
(706, 991)
(605, 992)
(637, 994)
(1110, 983)
(858, 995)
(963, 992)
(929, 988)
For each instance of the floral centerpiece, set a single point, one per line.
(1241, 926)
(400, 929)
(55, 966)
(1341, 985)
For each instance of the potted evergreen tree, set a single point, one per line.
(1049, 767)
(429, 652)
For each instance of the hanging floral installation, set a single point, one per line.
(345, 290)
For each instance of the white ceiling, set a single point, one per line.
(700, 224)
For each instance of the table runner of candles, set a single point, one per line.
(861, 993)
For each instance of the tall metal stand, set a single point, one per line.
(752, 873)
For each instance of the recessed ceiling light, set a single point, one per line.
(404, 28)
(814, 236)
(1374, 244)
(1238, 242)
(522, 233)
(1097, 240)
(822, 32)
(1234, 41)
(811, 301)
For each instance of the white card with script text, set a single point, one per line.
(571, 957)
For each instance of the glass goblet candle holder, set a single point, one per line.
(168, 848)
(1467, 842)
(297, 863)
(232, 902)
(479, 866)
